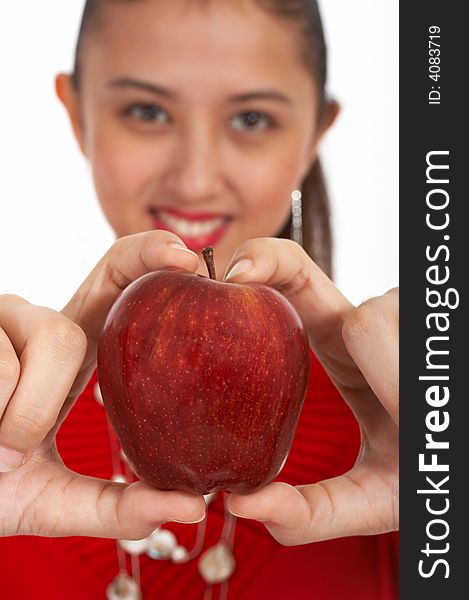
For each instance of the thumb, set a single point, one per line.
(361, 502)
(280, 507)
(75, 505)
(127, 260)
(284, 265)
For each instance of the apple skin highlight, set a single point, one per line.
(203, 380)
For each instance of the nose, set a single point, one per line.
(195, 173)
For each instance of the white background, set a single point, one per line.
(51, 228)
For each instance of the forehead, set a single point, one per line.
(221, 41)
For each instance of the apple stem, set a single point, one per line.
(207, 253)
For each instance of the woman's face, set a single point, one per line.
(199, 118)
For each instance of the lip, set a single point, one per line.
(197, 242)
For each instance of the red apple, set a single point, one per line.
(203, 380)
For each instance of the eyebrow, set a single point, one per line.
(127, 82)
(262, 95)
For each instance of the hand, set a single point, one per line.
(358, 347)
(46, 360)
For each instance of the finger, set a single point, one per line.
(284, 265)
(129, 258)
(358, 503)
(51, 349)
(76, 505)
(371, 335)
(9, 370)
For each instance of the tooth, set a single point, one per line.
(172, 221)
(190, 228)
(185, 228)
(199, 228)
(206, 228)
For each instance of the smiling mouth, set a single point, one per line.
(196, 230)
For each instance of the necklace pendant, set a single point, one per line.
(161, 544)
(217, 564)
(119, 478)
(180, 555)
(123, 587)
(134, 547)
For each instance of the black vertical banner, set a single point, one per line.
(434, 399)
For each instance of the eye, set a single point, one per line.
(251, 121)
(147, 112)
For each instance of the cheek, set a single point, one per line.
(120, 172)
(267, 192)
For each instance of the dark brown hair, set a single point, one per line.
(317, 235)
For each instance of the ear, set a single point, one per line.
(329, 115)
(68, 95)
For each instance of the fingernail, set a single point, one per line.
(190, 522)
(10, 459)
(240, 267)
(180, 246)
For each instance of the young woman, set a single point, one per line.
(201, 121)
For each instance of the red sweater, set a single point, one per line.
(325, 445)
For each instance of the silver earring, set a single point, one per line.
(296, 233)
